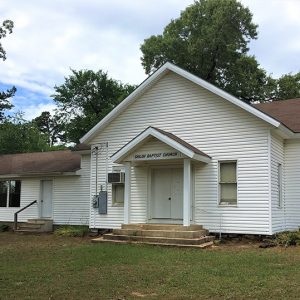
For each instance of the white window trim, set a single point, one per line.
(218, 183)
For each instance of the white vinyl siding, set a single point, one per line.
(213, 125)
(71, 196)
(292, 184)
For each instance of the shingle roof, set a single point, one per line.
(81, 147)
(286, 112)
(39, 163)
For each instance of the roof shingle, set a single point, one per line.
(286, 112)
(39, 163)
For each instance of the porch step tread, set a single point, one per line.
(154, 226)
(162, 233)
(155, 239)
(200, 246)
(29, 231)
(30, 226)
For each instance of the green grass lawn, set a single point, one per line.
(50, 267)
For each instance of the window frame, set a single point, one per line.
(8, 182)
(227, 204)
(113, 199)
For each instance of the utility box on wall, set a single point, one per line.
(102, 203)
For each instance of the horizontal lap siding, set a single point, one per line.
(292, 184)
(71, 197)
(216, 127)
(277, 157)
(30, 191)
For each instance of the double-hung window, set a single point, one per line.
(228, 183)
(118, 194)
(10, 193)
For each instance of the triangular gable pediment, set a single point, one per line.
(156, 144)
(154, 149)
(168, 67)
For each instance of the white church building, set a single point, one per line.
(179, 150)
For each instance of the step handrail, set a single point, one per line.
(20, 210)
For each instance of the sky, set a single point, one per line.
(53, 36)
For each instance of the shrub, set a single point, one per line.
(288, 238)
(72, 231)
(4, 227)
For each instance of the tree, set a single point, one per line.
(50, 127)
(6, 28)
(288, 87)
(18, 136)
(210, 39)
(85, 98)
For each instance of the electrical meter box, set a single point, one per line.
(102, 203)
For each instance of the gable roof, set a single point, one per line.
(167, 67)
(286, 112)
(39, 163)
(165, 137)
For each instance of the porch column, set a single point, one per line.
(187, 184)
(127, 192)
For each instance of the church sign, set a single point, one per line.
(157, 155)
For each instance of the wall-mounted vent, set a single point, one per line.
(117, 177)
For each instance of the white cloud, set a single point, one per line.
(33, 111)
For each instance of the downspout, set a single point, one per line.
(270, 180)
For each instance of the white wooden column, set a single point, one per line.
(127, 192)
(187, 184)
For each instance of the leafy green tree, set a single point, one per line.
(210, 39)
(6, 28)
(19, 136)
(85, 98)
(288, 87)
(50, 127)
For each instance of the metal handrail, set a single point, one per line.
(20, 210)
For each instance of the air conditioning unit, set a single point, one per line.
(116, 177)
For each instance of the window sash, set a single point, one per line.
(118, 194)
(10, 193)
(228, 182)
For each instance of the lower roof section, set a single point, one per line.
(53, 162)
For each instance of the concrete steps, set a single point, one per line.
(160, 234)
(36, 226)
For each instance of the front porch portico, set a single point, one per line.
(169, 160)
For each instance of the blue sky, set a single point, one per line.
(52, 36)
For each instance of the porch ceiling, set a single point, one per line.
(184, 148)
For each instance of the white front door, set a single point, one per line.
(167, 193)
(46, 199)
